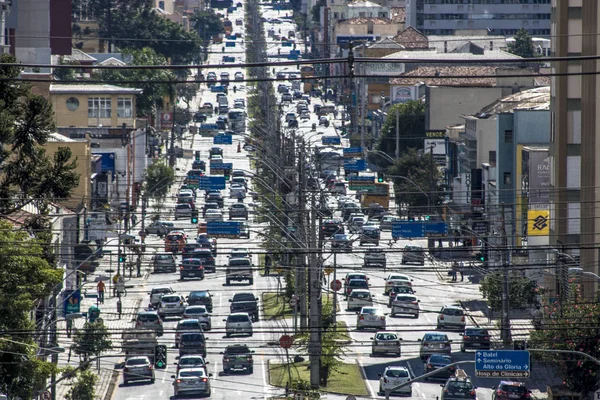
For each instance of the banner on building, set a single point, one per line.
(436, 146)
(538, 222)
(402, 94)
(539, 177)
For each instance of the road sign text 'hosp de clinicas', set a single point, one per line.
(502, 364)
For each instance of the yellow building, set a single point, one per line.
(93, 105)
(81, 151)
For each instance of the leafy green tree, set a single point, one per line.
(153, 93)
(26, 121)
(572, 326)
(522, 290)
(92, 340)
(186, 92)
(84, 387)
(418, 169)
(412, 129)
(207, 24)
(25, 277)
(522, 45)
(159, 178)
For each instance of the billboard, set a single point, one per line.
(437, 146)
(402, 94)
(388, 69)
(539, 177)
(538, 223)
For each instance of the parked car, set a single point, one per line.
(405, 304)
(186, 326)
(191, 380)
(386, 342)
(475, 338)
(413, 254)
(433, 343)
(137, 369)
(452, 316)
(436, 362)
(370, 317)
(393, 376)
(238, 323)
(149, 320)
(200, 313)
(238, 357)
(171, 304)
(508, 390)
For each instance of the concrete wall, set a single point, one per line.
(363, 29)
(445, 104)
(79, 117)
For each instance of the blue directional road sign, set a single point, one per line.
(223, 139)
(211, 182)
(361, 178)
(331, 140)
(502, 364)
(407, 229)
(208, 127)
(224, 229)
(361, 182)
(350, 152)
(435, 228)
(221, 167)
(355, 165)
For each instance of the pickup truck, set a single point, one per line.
(245, 302)
(239, 269)
(237, 357)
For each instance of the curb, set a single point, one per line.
(363, 374)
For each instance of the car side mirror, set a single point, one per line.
(442, 385)
(256, 298)
(494, 387)
(419, 340)
(209, 375)
(370, 338)
(462, 334)
(230, 300)
(253, 351)
(173, 376)
(221, 352)
(207, 362)
(224, 320)
(177, 358)
(378, 374)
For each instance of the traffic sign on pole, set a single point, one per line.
(208, 182)
(224, 229)
(328, 270)
(286, 341)
(336, 285)
(46, 395)
(293, 302)
(223, 139)
(502, 364)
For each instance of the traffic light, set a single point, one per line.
(227, 174)
(427, 218)
(122, 258)
(380, 177)
(197, 154)
(194, 216)
(160, 356)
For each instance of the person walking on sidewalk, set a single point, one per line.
(453, 271)
(461, 269)
(101, 286)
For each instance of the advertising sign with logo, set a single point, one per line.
(72, 301)
(402, 94)
(391, 69)
(166, 120)
(539, 177)
(107, 161)
(436, 146)
(538, 222)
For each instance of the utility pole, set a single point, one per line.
(353, 116)
(397, 135)
(53, 344)
(315, 303)
(301, 227)
(431, 181)
(505, 320)
(172, 141)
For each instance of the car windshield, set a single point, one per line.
(397, 373)
(191, 374)
(386, 336)
(137, 361)
(238, 318)
(191, 361)
(435, 338)
(237, 350)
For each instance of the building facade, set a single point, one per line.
(498, 17)
(575, 137)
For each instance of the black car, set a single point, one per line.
(199, 117)
(332, 226)
(208, 259)
(437, 361)
(245, 302)
(293, 123)
(508, 390)
(191, 267)
(458, 387)
(217, 198)
(342, 242)
(215, 151)
(370, 234)
(475, 338)
(200, 298)
(207, 242)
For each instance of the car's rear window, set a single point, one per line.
(386, 336)
(192, 361)
(147, 317)
(440, 359)
(358, 283)
(192, 337)
(477, 332)
(188, 325)
(435, 338)
(191, 374)
(239, 263)
(397, 373)
(175, 237)
(360, 294)
(463, 385)
(453, 312)
(369, 310)
(513, 389)
(405, 298)
(195, 310)
(238, 318)
(170, 299)
(164, 257)
(183, 206)
(137, 361)
(197, 295)
(243, 297)
(237, 350)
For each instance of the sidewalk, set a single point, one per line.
(114, 324)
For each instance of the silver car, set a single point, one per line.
(191, 380)
(405, 304)
(171, 304)
(186, 326)
(183, 211)
(386, 342)
(370, 317)
(238, 323)
(200, 313)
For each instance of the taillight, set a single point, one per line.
(442, 316)
(385, 380)
(362, 317)
(502, 393)
(429, 365)
(249, 358)
(201, 267)
(528, 395)
(226, 359)
(462, 319)
(413, 302)
(181, 267)
(178, 381)
(180, 302)
(126, 369)
(486, 338)
(204, 380)
(151, 366)
(157, 322)
(138, 324)
(466, 337)
(472, 392)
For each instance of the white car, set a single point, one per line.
(213, 215)
(405, 304)
(451, 316)
(200, 313)
(171, 304)
(239, 252)
(359, 298)
(370, 317)
(396, 280)
(237, 191)
(304, 115)
(191, 380)
(394, 376)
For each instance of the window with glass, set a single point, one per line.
(124, 107)
(99, 107)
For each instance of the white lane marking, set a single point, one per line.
(372, 393)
